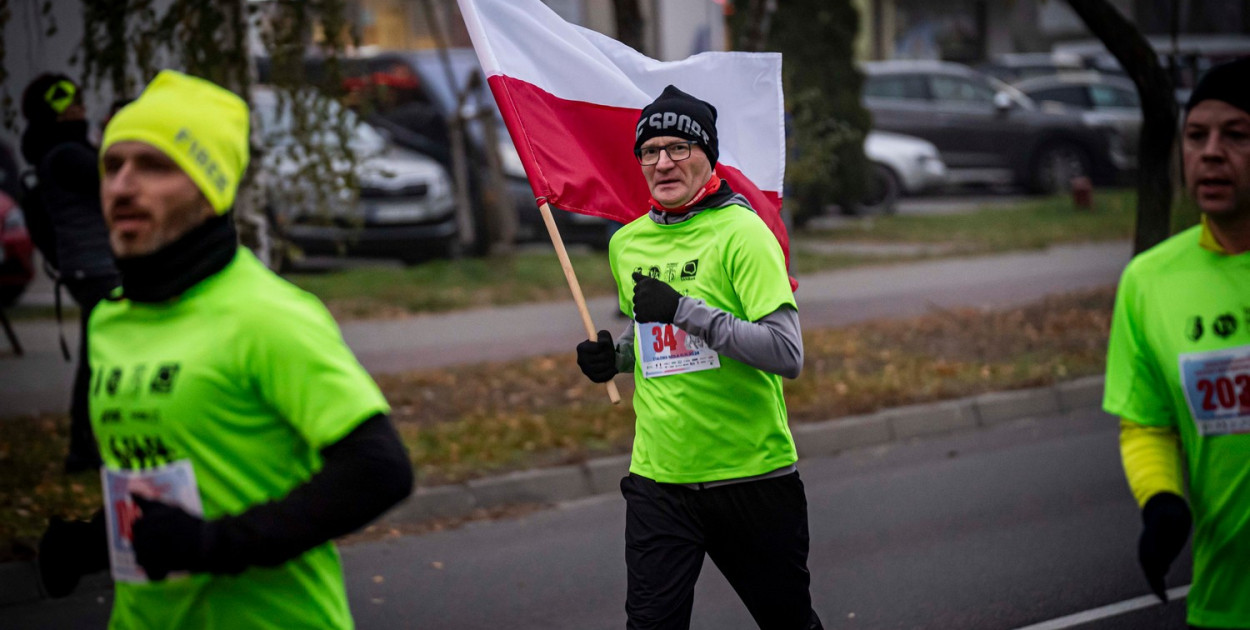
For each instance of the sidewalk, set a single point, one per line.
(40, 381)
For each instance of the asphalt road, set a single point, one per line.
(993, 529)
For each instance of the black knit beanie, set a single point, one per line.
(46, 97)
(1228, 82)
(676, 113)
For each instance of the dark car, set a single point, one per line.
(426, 82)
(17, 250)
(1013, 67)
(1104, 101)
(986, 131)
(17, 266)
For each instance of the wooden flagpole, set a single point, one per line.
(574, 286)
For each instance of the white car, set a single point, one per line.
(405, 208)
(900, 165)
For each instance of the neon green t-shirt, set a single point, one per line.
(1179, 357)
(246, 378)
(720, 423)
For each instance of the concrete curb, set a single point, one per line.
(602, 475)
(813, 439)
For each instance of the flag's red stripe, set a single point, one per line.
(580, 156)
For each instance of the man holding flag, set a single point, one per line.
(700, 266)
(715, 329)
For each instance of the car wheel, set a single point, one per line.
(883, 192)
(1055, 166)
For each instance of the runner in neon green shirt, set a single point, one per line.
(1178, 367)
(239, 434)
(715, 328)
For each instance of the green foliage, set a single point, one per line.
(828, 123)
(126, 42)
(318, 171)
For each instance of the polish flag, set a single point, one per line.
(571, 96)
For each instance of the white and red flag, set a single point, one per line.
(571, 96)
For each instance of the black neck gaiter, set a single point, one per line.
(171, 270)
(39, 140)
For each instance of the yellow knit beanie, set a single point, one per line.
(201, 126)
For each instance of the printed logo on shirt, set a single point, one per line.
(140, 451)
(670, 272)
(110, 416)
(1225, 325)
(145, 415)
(654, 272)
(163, 380)
(114, 381)
(1194, 329)
(136, 380)
(690, 269)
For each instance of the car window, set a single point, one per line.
(960, 90)
(1104, 96)
(277, 124)
(1073, 95)
(895, 86)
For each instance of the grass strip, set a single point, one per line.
(489, 418)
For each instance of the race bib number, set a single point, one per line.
(667, 350)
(1217, 388)
(173, 483)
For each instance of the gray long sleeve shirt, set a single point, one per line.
(773, 344)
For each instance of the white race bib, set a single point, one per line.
(667, 350)
(172, 483)
(1217, 388)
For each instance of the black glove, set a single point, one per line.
(1165, 528)
(167, 538)
(654, 300)
(69, 550)
(598, 358)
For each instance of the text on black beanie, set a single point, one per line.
(678, 114)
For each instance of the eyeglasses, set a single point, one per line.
(677, 152)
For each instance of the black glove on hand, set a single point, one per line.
(598, 358)
(69, 550)
(167, 538)
(1165, 528)
(654, 300)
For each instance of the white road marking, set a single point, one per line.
(1111, 610)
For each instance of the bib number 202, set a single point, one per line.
(1224, 392)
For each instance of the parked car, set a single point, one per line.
(986, 131)
(1189, 55)
(17, 266)
(428, 86)
(405, 208)
(1013, 67)
(901, 165)
(1104, 101)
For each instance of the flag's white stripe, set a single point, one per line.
(525, 40)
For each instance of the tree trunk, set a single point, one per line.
(628, 23)
(758, 23)
(1159, 110)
